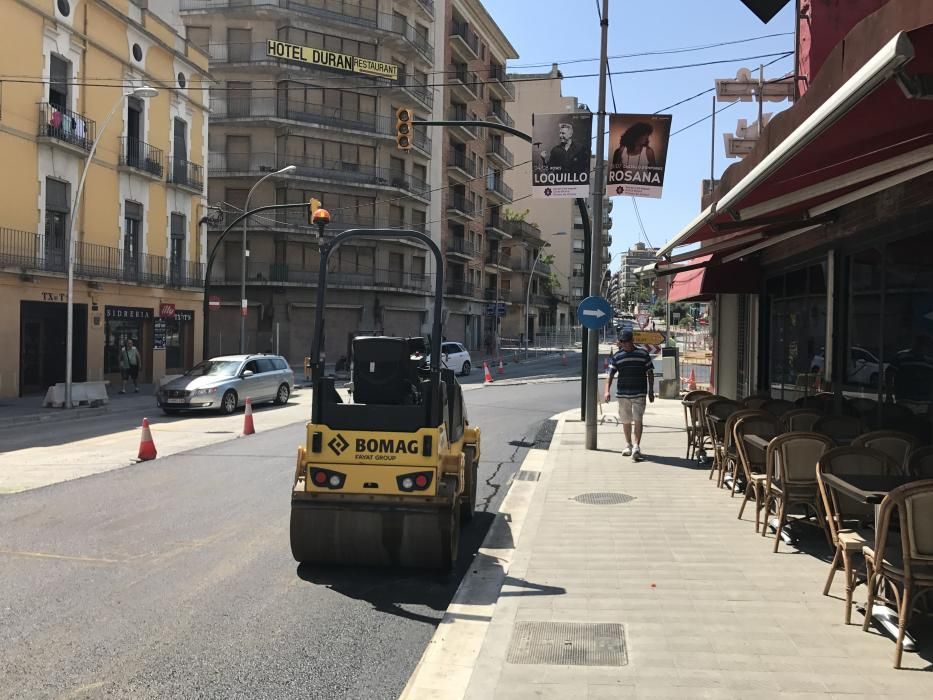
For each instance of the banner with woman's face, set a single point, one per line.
(637, 154)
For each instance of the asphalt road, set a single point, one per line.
(174, 578)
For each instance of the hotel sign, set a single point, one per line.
(331, 59)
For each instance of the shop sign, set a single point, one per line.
(127, 312)
(184, 315)
(54, 296)
(166, 310)
(158, 334)
(331, 59)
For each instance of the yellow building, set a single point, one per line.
(139, 249)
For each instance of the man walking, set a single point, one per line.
(129, 365)
(636, 381)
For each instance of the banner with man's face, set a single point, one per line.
(561, 147)
(637, 154)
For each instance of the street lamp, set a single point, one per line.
(284, 171)
(141, 92)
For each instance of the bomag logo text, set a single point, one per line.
(384, 446)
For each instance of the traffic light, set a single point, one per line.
(403, 127)
(313, 206)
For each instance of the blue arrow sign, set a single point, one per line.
(594, 313)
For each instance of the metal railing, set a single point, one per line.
(427, 5)
(523, 228)
(417, 88)
(184, 172)
(497, 185)
(460, 203)
(458, 159)
(469, 80)
(499, 149)
(141, 156)
(268, 273)
(459, 114)
(498, 111)
(460, 245)
(30, 251)
(65, 125)
(498, 74)
(460, 288)
(495, 220)
(462, 31)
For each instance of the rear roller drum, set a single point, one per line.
(471, 472)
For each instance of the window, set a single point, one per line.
(417, 265)
(57, 208)
(266, 365)
(132, 235)
(396, 216)
(238, 153)
(420, 174)
(239, 43)
(396, 268)
(199, 36)
(177, 249)
(419, 221)
(59, 79)
(578, 246)
(135, 155)
(238, 102)
(397, 170)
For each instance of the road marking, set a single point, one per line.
(64, 557)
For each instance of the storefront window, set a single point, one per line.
(122, 324)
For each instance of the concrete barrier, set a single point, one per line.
(90, 393)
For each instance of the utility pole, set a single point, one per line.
(598, 192)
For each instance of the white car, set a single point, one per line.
(862, 368)
(456, 357)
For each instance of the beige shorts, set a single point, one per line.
(632, 410)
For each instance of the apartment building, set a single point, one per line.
(628, 284)
(315, 84)
(138, 247)
(471, 163)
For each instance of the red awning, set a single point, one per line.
(701, 281)
(856, 131)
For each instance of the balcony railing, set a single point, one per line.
(460, 288)
(499, 149)
(462, 31)
(460, 203)
(503, 294)
(141, 156)
(459, 72)
(317, 169)
(416, 87)
(498, 74)
(267, 273)
(540, 300)
(497, 258)
(523, 228)
(427, 5)
(29, 251)
(458, 159)
(498, 111)
(67, 126)
(494, 184)
(185, 173)
(460, 245)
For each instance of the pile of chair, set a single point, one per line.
(796, 444)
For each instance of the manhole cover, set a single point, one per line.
(568, 644)
(603, 498)
(527, 475)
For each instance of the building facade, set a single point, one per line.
(316, 85)
(138, 245)
(471, 163)
(629, 289)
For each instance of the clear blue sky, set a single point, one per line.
(556, 34)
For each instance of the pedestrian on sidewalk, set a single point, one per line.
(129, 365)
(636, 382)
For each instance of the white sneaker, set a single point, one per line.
(627, 452)
(636, 453)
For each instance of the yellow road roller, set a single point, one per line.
(387, 478)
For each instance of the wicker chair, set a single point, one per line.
(845, 516)
(730, 456)
(689, 424)
(863, 407)
(894, 444)
(791, 478)
(907, 570)
(701, 436)
(778, 407)
(753, 467)
(755, 402)
(842, 429)
(800, 419)
(920, 462)
(722, 409)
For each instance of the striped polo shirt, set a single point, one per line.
(632, 368)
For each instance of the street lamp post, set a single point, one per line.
(141, 92)
(287, 169)
(528, 292)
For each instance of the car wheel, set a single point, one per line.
(228, 402)
(465, 370)
(281, 396)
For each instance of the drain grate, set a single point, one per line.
(603, 498)
(527, 475)
(568, 644)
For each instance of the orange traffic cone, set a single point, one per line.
(487, 378)
(248, 427)
(501, 367)
(147, 448)
(692, 382)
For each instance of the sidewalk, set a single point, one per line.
(700, 604)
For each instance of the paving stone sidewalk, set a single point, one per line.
(708, 611)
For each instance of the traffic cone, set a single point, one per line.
(692, 382)
(147, 448)
(487, 378)
(501, 367)
(248, 427)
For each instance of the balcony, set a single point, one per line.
(499, 83)
(184, 173)
(74, 131)
(460, 288)
(428, 6)
(414, 36)
(459, 209)
(284, 275)
(459, 167)
(463, 40)
(501, 294)
(497, 151)
(141, 156)
(235, 165)
(524, 230)
(461, 248)
(416, 88)
(462, 82)
(540, 300)
(27, 251)
(497, 113)
(498, 260)
(461, 133)
(496, 225)
(497, 188)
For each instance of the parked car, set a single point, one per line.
(456, 357)
(862, 366)
(224, 383)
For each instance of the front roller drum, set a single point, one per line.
(368, 535)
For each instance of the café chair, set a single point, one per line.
(863, 407)
(790, 477)
(689, 424)
(801, 419)
(720, 409)
(895, 444)
(778, 407)
(842, 429)
(701, 436)
(848, 518)
(765, 426)
(730, 464)
(906, 567)
(755, 402)
(920, 462)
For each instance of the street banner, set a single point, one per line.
(638, 153)
(561, 147)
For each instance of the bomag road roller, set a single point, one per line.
(387, 478)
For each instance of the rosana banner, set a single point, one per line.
(637, 154)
